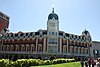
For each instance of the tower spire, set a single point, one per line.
(53, 10)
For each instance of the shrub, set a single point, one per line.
(71, 60)
(6, 63)
(54, 61)
(32, 62)
(47, 62)
(60, 60)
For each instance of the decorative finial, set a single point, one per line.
(53, 10)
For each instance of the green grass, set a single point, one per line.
(71, 64)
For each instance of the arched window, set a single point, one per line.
(68, 49)
(3, 47)
(11, 47)
(83, 51)
(72, 49)
(17, 48)
(32, 47)
(76, 50)
(68, 41)
(7, 49)
(22, 47)
(27, 47)
(64, 49)
(86, 51)
(72, 42)
(80, 50)
(39, 47)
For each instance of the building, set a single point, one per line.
(96, 49)
(46, 44)
(4, 22)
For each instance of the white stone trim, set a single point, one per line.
(44, 44)
(61, 45)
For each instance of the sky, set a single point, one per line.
(74, 15)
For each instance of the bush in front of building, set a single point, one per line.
(27, 62)
(21, 63)
(47, 62)
(6, 63)
(62, 60)
(32, 62)
(71, 60)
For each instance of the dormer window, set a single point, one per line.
(75, 36)
(11, 35)
(26, 34)
(67, 34)
(31, 34)
(21, 34)
(16, 35)
(36, 33)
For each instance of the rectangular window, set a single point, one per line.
(52, 33)
(67, 34)
(52, 41)
(64, 49)
(80, 50)
(49, 33)
(56, 33)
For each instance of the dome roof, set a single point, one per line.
(53, 15)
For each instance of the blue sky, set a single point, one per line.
(75, 15)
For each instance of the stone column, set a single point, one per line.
(60, 45)
(67, 46)
(44, 44)
(78, 50)
(36, 43)
(75, 50)
(70, 50)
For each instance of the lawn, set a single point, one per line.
(71, 64)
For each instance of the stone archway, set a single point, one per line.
(52, 57)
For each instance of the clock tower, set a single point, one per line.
(53, 32)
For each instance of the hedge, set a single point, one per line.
(32, 62)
